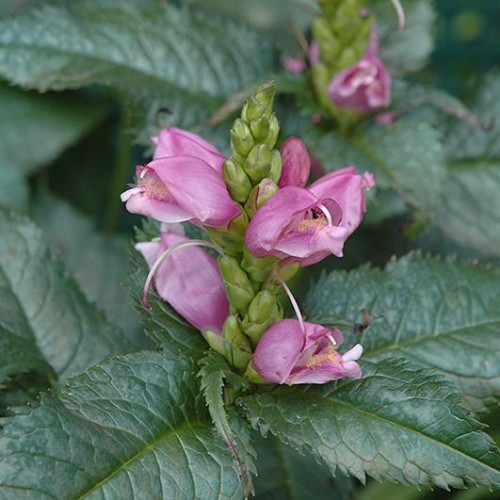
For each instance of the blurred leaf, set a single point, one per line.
(438, 314)
(406, 155)
(285, 474)
(41, 303)
(470, 210)
(13, 189)
(151, 51)
(35, 128)
(396, 423)
(133, 427)
(382, 491)
(98, 262)
(409, 49)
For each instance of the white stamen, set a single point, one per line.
(326, 212)
(331, 339)
(164, 256)
(293, 302)
(400, 13)
(143, 173)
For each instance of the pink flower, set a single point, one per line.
(364, 87)
(182, 183)
(293, 65)
(189, 280)
(296, 163)
(290, 354)
(307, 225)
(177, 142)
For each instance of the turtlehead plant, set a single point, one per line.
(264, 223)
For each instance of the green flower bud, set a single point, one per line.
(237, 182)
(258, 163)
(260, 103)
(237, 349)
(242, 140)
(259, 195)
(274, 130)
(252, 376)
(214, 340)
(239, 288)
(276, 165)
(286, 273)
(260, 128)
(263, 311)
(258, 268)
(232, 239)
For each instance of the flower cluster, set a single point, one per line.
(265, 223)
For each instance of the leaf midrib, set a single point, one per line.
(149, 448)
(426, 338)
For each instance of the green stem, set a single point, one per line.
(121, 173)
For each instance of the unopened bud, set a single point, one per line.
(276, 166)
(260, 103)
(258, 268)
(274, 130)
(260, 128)
(214, 340)
(237, 349)
(263, 311)
(239, 288)
(231, 238)
(242, 140)
(259, 195)
(237, 182)
(258, 163)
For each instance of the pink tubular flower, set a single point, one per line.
(364, 87)
(189, 280)
(290, 354)
(307, 225)
(182, 183)
(296, 163)
(177, 142)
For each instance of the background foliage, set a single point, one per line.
(90, 406)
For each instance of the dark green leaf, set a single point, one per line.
(470, 209)
(132, 427)
(36, 128)
(99, 266)
(439, 314)
(214, 374)
(285, 474)
(406, 155)
(396, 423)
(149, 50)
(41, 304)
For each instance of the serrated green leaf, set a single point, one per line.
(409, 49)
(396, 423)
(214, 374)
(406, 155)
(285, 474)
(42, 306)
(132, 427)
(151, 51)
(440, 314)
(99, 266)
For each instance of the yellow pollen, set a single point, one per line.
(306, 224)
(327, 355)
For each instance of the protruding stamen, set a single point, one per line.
(164, 256)
(331, 339)
(400, 13)
(293, 302)
(327, 213)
